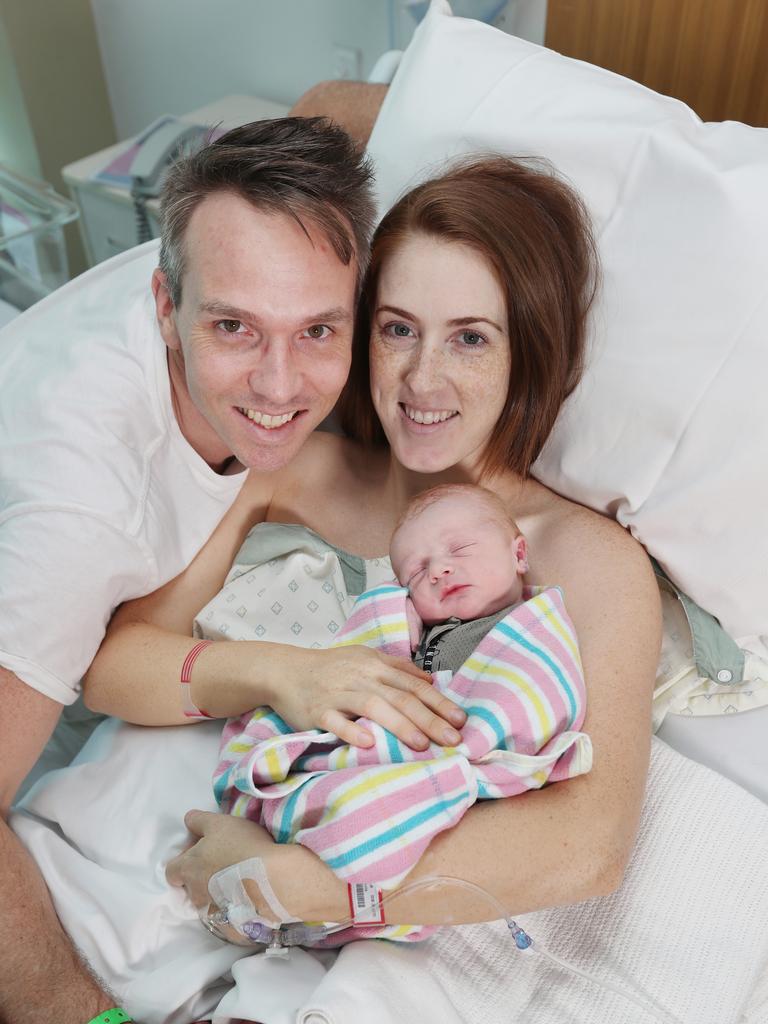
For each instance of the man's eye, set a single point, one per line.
(472, 339)
(230, 326)
(318, 331)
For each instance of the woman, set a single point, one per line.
(475, 306)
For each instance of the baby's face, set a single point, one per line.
(458, 561)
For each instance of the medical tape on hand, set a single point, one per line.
(227, 891)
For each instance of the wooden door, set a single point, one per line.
(712, 54)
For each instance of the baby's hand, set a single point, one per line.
(415, 625)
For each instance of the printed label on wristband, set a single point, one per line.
(365, 903)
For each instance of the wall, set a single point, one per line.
(57, 93)
(172, 56)
(17, 143)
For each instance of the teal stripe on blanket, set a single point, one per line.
(221, 784)
(394, 748)
(473, 710)
(284, 835)
(545, 657)
(371, 845)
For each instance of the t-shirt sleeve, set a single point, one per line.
(62, 574)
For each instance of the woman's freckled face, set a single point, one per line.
(440, 358)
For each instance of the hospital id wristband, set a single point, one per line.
(191, 710)
(365, 903)
(113, 1016)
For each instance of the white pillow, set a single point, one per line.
(668, 432)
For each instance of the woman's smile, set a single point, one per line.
(427, 421)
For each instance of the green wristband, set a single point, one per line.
(113, 1016)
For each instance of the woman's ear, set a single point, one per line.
(165, 311)
(521, 554)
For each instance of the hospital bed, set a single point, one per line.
(667, 434)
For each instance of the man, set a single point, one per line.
(126, 433)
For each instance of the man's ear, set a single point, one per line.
(165, 310)
(521, 554)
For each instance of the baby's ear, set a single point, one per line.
(521, 554)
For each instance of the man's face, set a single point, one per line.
(260, 345)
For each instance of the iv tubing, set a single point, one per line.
(295, 934)
(523, 941)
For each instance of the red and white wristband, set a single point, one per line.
(365, 903)
(191, 710)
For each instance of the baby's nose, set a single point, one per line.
(440, 570)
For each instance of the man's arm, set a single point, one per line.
(353, 105)
(41, 975)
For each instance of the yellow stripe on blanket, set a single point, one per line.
(375, 633)
(379, 778)
(274, 765)
(507, 675)
(554, 619)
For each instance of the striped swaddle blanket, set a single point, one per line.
(371, 813)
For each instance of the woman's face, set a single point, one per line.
(440, 358)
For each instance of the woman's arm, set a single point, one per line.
(136, 673)
(565, 843)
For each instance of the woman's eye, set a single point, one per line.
(398, 330)
(318, 331)
(230, 326)
(472, 339)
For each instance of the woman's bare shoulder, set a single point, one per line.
(569, 540)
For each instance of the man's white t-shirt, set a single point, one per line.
(101, 497)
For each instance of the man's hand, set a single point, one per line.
(353, 105)
(356, 682)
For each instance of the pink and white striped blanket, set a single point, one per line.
(371, 813)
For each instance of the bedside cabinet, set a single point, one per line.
(107, 216)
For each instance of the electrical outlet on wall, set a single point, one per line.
(347, 63)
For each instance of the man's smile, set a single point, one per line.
(269, 421)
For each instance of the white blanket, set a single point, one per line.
(689, 924)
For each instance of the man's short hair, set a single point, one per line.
(306, 168)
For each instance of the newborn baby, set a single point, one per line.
(504, 652)
(462, 558)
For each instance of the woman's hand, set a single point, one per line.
(219, 842)
(353, 682)
(301, 882)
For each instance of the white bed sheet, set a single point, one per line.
(105, 870)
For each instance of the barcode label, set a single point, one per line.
(365, 903)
